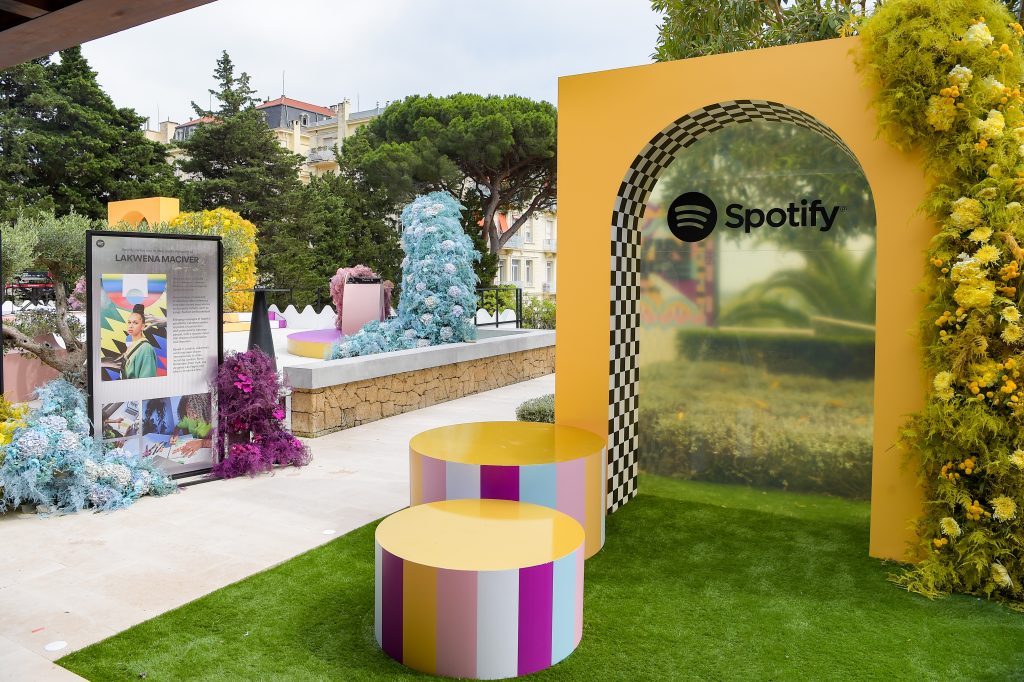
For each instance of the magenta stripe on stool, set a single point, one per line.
(433, 479)
(499, 482)
(456, 623)
(391, 609)
(535, 584)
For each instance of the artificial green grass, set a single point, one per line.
(697, 581)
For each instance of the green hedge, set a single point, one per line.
(833, 357)
(540, 409)
(832, 459)
(732, 423)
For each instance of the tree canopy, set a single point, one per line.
(342, 223)
(235, 162)
(65, 146)
(495, 154)
(695, 28)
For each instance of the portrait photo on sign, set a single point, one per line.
(133, 326)
(178, 429)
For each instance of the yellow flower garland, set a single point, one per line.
(949, 82)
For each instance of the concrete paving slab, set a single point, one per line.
(84, 577)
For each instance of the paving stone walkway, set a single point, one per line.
(81, 578)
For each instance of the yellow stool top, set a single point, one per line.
(506, 443)
(479, 535)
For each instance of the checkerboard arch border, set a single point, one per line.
(630, 204)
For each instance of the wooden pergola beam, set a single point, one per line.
(34, 28)
(27, 9)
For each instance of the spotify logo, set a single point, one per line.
(692, 216)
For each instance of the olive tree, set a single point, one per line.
(45, 241)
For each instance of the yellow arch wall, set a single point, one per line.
(152, 209)
(606, 118)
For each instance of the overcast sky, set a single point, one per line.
(371, 52)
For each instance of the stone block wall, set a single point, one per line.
(317, 412)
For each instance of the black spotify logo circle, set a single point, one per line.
(692, 216)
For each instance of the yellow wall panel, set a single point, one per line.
(605, 120)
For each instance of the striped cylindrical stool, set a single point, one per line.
(483, 589)
(555, 466)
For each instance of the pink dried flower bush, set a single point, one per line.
(248, 403)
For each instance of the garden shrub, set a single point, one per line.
(12, 417)
(833, 357)
(540, 409)
(238, 238)
(818, 458)
(539, 313)
(802, 433)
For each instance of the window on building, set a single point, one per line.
(305, 119)
(549, 272)
(516, 267)
(529, 272)
(501, 270)
(549, 229)
(528, 233)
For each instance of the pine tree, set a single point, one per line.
(65, 146)
(235, 162)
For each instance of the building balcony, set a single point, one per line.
(319, 155)
(548, 287)
(551, 245)
(516, 242)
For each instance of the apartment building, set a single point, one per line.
(529, 259)
(309, 130)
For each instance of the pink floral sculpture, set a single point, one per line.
(248, 404)
(76, 301)
(338, 286)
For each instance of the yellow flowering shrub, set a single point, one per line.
(949, 80)
(11, 418)
(239, 260)
(238, 239)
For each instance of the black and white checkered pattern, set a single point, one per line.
(624, 374)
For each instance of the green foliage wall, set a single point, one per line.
(948, 75)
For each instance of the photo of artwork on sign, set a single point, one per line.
(120, 421)
(178, 429)
(133, 326)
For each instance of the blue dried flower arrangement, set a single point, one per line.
(438, 299)
(53, 462)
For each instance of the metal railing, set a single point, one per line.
(551, 245)
(498, 299)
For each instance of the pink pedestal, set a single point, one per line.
(313, 343)
(361, 303)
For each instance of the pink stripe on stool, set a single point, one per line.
(456, 623)
(535, 609)
(572, 492)
(499, 482)
(433, 479)
(579, 595)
